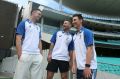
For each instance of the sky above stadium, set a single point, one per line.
(49, 3)
(54, 5)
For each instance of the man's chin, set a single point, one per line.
(37, 20)
(75, 26)
(64, 27)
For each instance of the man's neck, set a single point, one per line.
(66, 30)
(32, 19)
(78, 29)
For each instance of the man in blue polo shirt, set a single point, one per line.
(29, 48)
(84, 56)
(60, 52)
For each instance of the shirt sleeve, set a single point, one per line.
(53, 39)
(89, 37)
(71, 46)
(21, 29)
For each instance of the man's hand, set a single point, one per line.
(74, 64)
(87, 73)
(41, 52)
(89, 54)
(50, 52)
(19, 55)
(49, 57)
(18, 45)
(74, 69)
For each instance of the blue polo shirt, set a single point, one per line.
(30, 36)
(83, 39)
(63, 43)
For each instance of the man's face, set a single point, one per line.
(66, 25)
(76, 22)
(36, 14)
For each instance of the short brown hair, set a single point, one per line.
(69, 20)
(78, 15)
(35, 10)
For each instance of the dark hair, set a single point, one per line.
(35, 10)
(69, 20)
(78, 15)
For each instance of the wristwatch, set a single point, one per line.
(87, 65)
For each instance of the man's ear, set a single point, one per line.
(81, 20)
(33, 12)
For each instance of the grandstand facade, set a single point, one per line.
(106, 29)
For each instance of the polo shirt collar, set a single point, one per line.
(31, 21)
(65, 32)
(81, 29)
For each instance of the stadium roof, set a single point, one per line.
(108, 8)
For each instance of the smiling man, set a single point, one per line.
(29, 48)
(60, 52)
(84, 56)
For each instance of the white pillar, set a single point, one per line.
(42, 24)
(60, 5)
(61, 25)
(61, 9)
